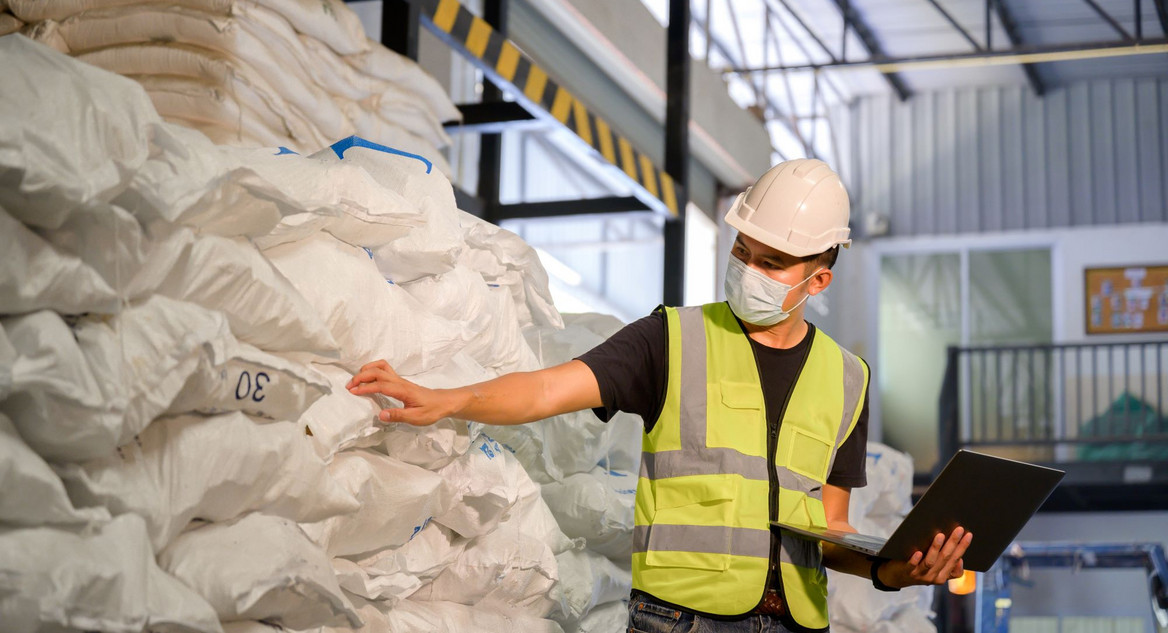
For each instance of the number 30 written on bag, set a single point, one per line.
(243, 388)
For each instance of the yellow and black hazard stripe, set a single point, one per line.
(497, 54)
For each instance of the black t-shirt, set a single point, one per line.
(631, 368)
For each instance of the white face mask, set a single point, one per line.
(756, 298)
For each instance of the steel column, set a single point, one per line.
(508, 67)
(491, 145)
(399, 27)
(677, 144)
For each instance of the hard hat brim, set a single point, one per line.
(782, 243)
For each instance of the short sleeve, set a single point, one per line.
(630, 369)
(851, 460)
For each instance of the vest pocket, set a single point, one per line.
(690, 527)
(740, 395)
(735, 417)
(808, 454)
(797, 508)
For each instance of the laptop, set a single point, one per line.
(992, 497)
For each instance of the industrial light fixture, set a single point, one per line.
(964, 584)
(1021, 58)
(1030, 55)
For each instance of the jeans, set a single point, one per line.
(648, 616)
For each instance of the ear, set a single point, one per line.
(819, 282)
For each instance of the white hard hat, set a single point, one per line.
(799, 207)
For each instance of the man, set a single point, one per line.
(751, 415)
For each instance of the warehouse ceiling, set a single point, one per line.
(815, 62)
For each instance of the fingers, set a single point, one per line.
(942, 561)
(959, 565)
(378, 377)
(377, 364)
(934, 551)
(949, 554)
(367, 375)
(377, 370)
(958, 569)
(378, 380)
(413, 417)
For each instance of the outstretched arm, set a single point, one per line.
(509, 399)
(940, 563)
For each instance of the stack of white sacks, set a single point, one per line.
(258, 73)
(177, 448)
(177, 323)
(877, 509)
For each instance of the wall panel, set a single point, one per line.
(1149, 137)
(990, 159)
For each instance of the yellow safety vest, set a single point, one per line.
(702, 534)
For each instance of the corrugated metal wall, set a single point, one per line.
(1000, 159)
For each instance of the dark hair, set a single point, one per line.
(826, 259)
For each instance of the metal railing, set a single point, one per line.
(1057, 402)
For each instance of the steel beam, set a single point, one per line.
(989, 25)
(728, 54)
(493, 117)
(807, 28)
(1110, 20)
(875, 50)
(845, 11)
(1014, 34)
(1139, 21)
(399, 27)
(1162, 14)
(677, 71)
(802, 48)
(560, 208)
(955, 24)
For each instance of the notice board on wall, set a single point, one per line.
(1127, 299)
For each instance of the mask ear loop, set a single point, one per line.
(806, 296)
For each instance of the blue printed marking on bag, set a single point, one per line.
(419, 528)
(490, 447)
(344, 144)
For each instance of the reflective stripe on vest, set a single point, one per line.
(702, 537)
